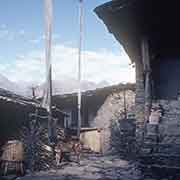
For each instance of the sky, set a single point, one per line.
(22, 43)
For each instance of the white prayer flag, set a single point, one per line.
(46, 102)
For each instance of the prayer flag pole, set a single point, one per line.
(79, 65)
(48, 43)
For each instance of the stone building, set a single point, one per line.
(92, 101)
(149, 33)
(110, 118)
(101, 109)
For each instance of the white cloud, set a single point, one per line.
(3, 26)
(34, 41)
(96, 66)
(22, 32)
(7, 34)
(3, 33)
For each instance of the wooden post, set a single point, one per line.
(50, 118)
(139, 102)
(124, 96)
(147, 83)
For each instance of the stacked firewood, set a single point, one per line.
(39, 154)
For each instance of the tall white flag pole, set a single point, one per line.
(47, 102)
(79, 64)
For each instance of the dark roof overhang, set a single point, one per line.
(120, 20)
(130, 20)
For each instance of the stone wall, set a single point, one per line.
(163, 140)
(169, 126)
(110, 113)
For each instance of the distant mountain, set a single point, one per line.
(63, 86)
(66, 86)
(6, 84)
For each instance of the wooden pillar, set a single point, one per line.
(147, 81)
(139, 101)
(143, 99)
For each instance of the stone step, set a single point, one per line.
(169, 117)
(153, 147)
(161, 159)
(163, 170)
(172, 136)
(171, 129)
(161, 155)
(165, 145)
(171, 113)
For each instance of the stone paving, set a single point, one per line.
(95, 167)
(91, 168)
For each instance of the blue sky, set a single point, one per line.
(22, 44)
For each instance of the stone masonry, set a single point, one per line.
(164, 139)
(111, 112)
